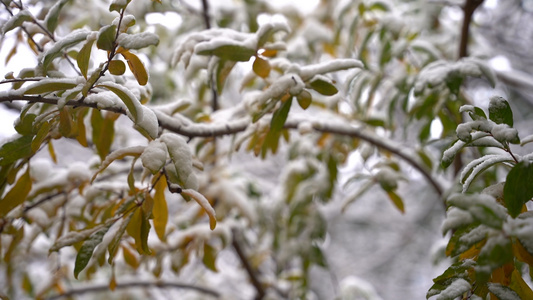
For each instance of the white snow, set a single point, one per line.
(149, 122)
(504, 133)
(204, 203)
(181, 156)
(455, 289)
(456, 218)
(154, 156)
(138, 40)
(78, 172)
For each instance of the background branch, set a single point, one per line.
(135, 284)
(251, 273)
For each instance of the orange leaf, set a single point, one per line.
(160, 209)
(136, 67)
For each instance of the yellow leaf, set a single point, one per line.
(82, 135)
(17, 194)
(136, 67)
(113, 282)
(160, 210)
(520, 286)
(521, 253)
(130, 257)
(134, 228)
(396, 200)
(117, 67)
(261, 67)
(65, 122)
(40, 136)
(52, 152)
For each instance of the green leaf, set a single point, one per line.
(317, 256)
(16, 21)
(131, 102)
(88, 85)
(304, 99)
(70, 40)
(478, 114)
(43, 131)
(223, 70)
(518, 187)
(280, 116)
(106, 37)
(17, 195)
(118, 5)
(210, 256)
(84, 56)
(323, 87)
(52, 16)
(86, 251)
(500, 112)
(230, 52)
(49, 85)
(25, 126)
(15, 150)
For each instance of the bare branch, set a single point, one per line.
(135, 284)
(469, 8)
(251, 273)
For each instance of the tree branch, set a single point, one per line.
(251, 273)
(469, 8)
(134, 284)
(189, 129)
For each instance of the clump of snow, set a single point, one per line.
(78, 172)
(353, 287)
(149, 122)
(457, 288)
(181, 156)
(456, 218)
(504, 133)
(154, 156)
(40, 169)
(138, 40)
(467, 108)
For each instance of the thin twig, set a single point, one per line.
(251, 273)
(135, 284)
(468, 9)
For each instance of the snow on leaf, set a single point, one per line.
(503, 292)
(16, 21)
(266, 30)
(204, 203)
(307, 72)
(479, 165)
(154, 156)
(86, 251)
(500, 111)
(456, 218)
(149, 125)
(456, 289)
(505, 134)
(71, 39)
(181, 157)
(135, 110)
(134, 151)
(528, 139)
(50, 85)
(74, 237)
(51, 18)
(106, 37)
(138, 40)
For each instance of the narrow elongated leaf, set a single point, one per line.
(115, 242)
(70, 40)
(84, 56)
(16, 21)
(134, 151)
(396, 200)
(136, 67)
(40, 136)
(106, 37)
(25, 126)
(51, 18)
(223, 70)
(15, 150)
(138, 228)
(230, 52)
(160, 209)
(280, 116)
(17, 194)
(49, 85)
(86, 251)
(520, 286)
(518, 187)
(74, 237)
(500, 112)
(204, 203)
(210, 256)
(80, 123)
(66, 124)
(131, 102)
(103, 131)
